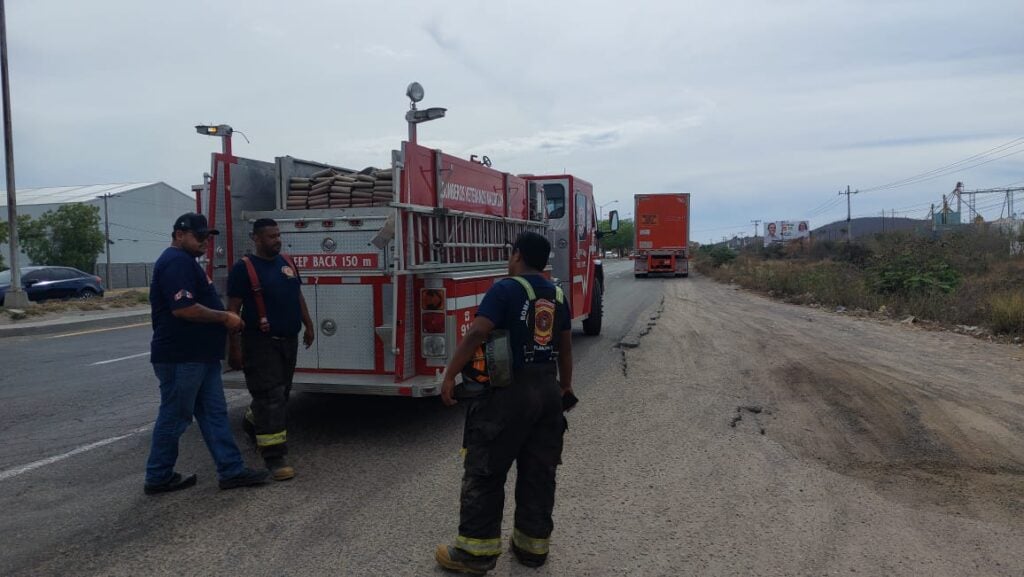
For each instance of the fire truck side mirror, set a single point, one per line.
(613, 221)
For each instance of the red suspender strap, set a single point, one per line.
(257, 294)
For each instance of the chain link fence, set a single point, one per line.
(125, 275)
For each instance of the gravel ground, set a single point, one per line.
(749, 437)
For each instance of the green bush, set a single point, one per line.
(721, 255)
(905, 275)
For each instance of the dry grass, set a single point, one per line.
(988, 292)
(1006, 313)
(111, 300)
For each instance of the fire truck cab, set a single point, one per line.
(395, 260)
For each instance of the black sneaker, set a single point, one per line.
(526, 558)
(176, 483)
(455, 559)
(247, 478)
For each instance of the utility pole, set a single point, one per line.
(106, 235)
(15, 297)
(849, 226)
(756, 222)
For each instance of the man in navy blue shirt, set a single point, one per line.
(190, 326)
(268, 347)
(520, 422)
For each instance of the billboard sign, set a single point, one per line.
(783, 231)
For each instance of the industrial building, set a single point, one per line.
(141, 216)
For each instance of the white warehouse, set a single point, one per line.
(141, 215)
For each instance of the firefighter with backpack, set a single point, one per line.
(266, 289)
(516, 364)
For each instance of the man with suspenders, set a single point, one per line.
(514, 419)
(266, 289)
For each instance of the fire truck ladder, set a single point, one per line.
(444, 239)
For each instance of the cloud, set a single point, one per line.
(581, 138)
(760, 112)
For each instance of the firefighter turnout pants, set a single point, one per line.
(269, 364)
(522, 423)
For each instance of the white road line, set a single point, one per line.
(120, 359)
(9, 473)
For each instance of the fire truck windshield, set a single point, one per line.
(554, 195)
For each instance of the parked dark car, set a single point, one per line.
(54, 282)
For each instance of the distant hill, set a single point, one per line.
(868, 226)
(862, 227)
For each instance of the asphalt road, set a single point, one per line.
(377, 483)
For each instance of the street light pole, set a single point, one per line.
(15, 296)
(600, 209)
(106, 235)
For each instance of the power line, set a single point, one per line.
(954, 167)
(164, 234)
(827, 206)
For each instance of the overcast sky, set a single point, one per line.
(759, 109)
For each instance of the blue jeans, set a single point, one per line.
(188, 389)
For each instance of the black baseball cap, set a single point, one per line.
(195, 223)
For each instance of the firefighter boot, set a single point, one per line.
(530, 551)
(526, 558)
(455, 559)
(279, 469)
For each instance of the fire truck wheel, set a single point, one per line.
(592, 324)
(640, 275)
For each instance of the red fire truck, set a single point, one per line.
(395, 261)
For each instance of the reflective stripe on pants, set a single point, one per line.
(530, 544)
(479, 547)
(272, 439)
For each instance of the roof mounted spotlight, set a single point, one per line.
(415, 92)
(425, 115)
(414, 116)
(212, 130)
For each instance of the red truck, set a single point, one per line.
(662, 234)
(395, 260)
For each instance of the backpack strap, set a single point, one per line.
(532, 294)
(257, 294)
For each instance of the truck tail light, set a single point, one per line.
(434, 346)
(433, 323)
(432, 300)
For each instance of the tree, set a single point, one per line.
(622, 240)
(23, 220)
(69, 236)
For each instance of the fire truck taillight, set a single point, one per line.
(434, 346)
(433, 323)
(300, 224)
(432, 300)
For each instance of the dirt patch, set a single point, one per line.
(930, 450)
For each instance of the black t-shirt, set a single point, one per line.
(506, 305)
(179, 282)
(281, 287)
